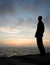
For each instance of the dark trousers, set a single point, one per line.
(40, 46)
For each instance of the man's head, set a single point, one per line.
(39, 18)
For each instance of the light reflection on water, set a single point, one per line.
(10, 51)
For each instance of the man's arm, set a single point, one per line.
(36, 31)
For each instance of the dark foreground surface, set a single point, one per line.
(26, 60)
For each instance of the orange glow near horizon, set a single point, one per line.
(20, 42)
(24, 42)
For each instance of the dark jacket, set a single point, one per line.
(40, 29)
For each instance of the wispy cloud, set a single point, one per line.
(9, 30)
(47, 21)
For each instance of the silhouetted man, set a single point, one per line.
(39, 35)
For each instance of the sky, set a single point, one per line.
(18, 21)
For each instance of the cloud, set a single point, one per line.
(33, 5)
(29, 22)
(21, 5)
(6, 6)
(9, 30)
(47, 21)
(20, 21)
(10, 5)
(4, 22)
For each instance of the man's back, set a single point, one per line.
(40, 29)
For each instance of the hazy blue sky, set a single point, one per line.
(18, 20)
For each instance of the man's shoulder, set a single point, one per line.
(42, 23)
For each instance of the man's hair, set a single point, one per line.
(40, 18)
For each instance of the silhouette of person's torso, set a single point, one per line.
(40, 29)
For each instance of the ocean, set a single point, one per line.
(10, 51)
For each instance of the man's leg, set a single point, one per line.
(40, 46)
